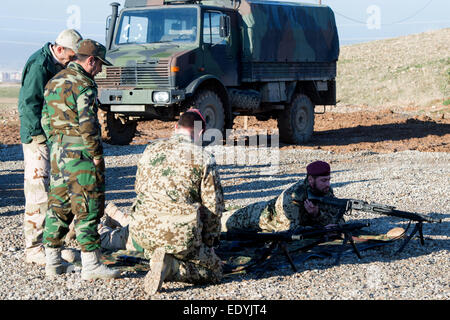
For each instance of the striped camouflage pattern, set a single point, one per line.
(77, 186)
(179, 204)
(76, 192)
(71, 109)
(280, 213)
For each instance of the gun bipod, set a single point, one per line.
(417, 227)
(348, 237)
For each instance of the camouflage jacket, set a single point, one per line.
(179, 200)
(282, 213)
(71, 108)
(297, 213)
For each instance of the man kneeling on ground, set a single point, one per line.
(175, 218)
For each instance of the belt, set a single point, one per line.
(68, 139)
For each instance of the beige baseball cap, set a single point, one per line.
(69, 38)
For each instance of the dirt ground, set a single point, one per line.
(381, 131)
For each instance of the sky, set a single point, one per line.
(26, 25)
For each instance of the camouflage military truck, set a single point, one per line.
(226, 57)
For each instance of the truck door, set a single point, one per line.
(219, 52)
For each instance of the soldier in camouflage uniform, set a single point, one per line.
(39, 69)
(178, 207)
(291, 209)
(77, 185)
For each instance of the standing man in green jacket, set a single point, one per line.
(39, 69)
(77, 184)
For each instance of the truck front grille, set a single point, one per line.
(141, 75)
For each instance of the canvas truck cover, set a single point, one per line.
(299, 32)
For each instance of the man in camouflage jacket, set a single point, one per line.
(39, 69)
(178, 207)
(77, 184)
(291, 209)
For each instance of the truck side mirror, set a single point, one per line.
(224, 30)
(108, 25)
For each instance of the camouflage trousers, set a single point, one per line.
(36, 184)
(199, 265)
(77, 192)
(115, 238)
(259, 216)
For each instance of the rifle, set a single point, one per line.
(321, 233)
(349, 204)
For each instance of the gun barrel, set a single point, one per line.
(411, 216)
(390, 211)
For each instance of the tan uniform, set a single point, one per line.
(36, 184)
(178, 206)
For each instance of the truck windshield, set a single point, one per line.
(158, 25)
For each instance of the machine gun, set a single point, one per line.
(352, 204)
(322, 234)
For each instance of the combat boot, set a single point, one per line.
(54, 264)
(70, 255)
(35, 255)
(161, 267)
(93, 269)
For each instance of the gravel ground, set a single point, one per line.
(410, 180)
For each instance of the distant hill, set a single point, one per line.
(413, 70)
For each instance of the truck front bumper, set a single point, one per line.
(153, 97)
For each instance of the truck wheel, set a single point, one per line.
(114, 131)
(296, 122)
(211, 107)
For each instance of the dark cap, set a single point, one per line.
(318, 168)
(93, 48)
(197, 111)
(188, 119)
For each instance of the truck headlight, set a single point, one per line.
(161, 97)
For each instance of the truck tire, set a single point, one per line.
(211, 107)
(114, 131)
(296, 122)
